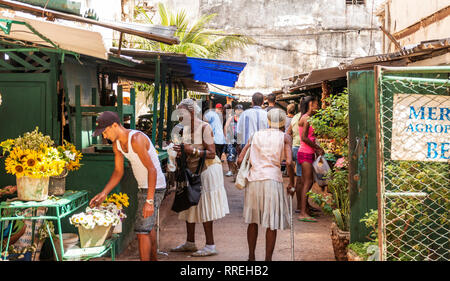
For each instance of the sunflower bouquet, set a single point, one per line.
(32, 155)
(70, 155)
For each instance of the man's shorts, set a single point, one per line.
(144, 226)
(298, 167)
(231, 152)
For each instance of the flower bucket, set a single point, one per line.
(32, 189)
(118, 228)
(57, 184)
(93, 237)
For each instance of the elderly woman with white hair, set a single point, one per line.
(265, 200)
(198, 141)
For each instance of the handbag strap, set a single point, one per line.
(201, 163)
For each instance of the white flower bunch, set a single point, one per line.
(70, 155)
(95, 216)
(112, 208)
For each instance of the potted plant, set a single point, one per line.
(366, 251)
(94, 225)
(33, 160)
(331, 123)
(72, 157)
(115, 203)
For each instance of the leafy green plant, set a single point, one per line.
(332, 123)
(339, 207)
(369, 251)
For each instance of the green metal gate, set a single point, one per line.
(413, 128)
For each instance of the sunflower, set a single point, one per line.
(24, 155)
(31, 161)
(19, 170)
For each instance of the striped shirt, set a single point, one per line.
(251, 121)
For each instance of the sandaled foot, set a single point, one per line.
(307, 219)
(185, 248)
(205, 252)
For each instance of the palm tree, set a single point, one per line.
(195, 39)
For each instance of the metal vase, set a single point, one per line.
(57, 184)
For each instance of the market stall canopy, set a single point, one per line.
(219, 72)
(225, 73)
(59, 36)
(157, 33)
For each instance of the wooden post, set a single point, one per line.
(162, 104)
(169, 109)
(94, 102)
(133, 106)
(120, 103)
(78, 117)
(155, 99)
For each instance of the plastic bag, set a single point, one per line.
(171, 165)
(321, 169)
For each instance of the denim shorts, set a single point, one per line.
(298, 167)
(230, 150)
(144, 226)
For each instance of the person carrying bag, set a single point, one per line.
(189, 185)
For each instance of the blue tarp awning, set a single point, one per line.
(225, 73)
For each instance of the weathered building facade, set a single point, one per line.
(410, 22)
(291, 36)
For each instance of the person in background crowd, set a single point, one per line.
(198, 140)
(290, 110)
(141, 153)
(306, 153)
(252, 120)
(294, 133)
(214, 118)
(227, 112)
(265, 201)
(271, 101)
(231, 138)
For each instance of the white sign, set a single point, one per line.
(421, 128)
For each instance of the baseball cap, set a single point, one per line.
(106, 118)
(219, 105)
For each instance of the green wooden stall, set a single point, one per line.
(32, 81)
(362, 151)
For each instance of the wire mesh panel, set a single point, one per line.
(414, 133)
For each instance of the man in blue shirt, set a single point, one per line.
(252, 120)
(215, 121)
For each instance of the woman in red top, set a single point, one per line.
(306, 153)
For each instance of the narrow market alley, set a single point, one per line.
(312, 240)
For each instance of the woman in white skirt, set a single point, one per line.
(265, 201)
(198, 140)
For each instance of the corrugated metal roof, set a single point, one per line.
(157, 33)
(406, 55)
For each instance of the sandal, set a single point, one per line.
(205, 252)
(307, 219)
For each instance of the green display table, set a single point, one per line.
(59, 207)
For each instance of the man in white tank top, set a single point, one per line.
(141, 153)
